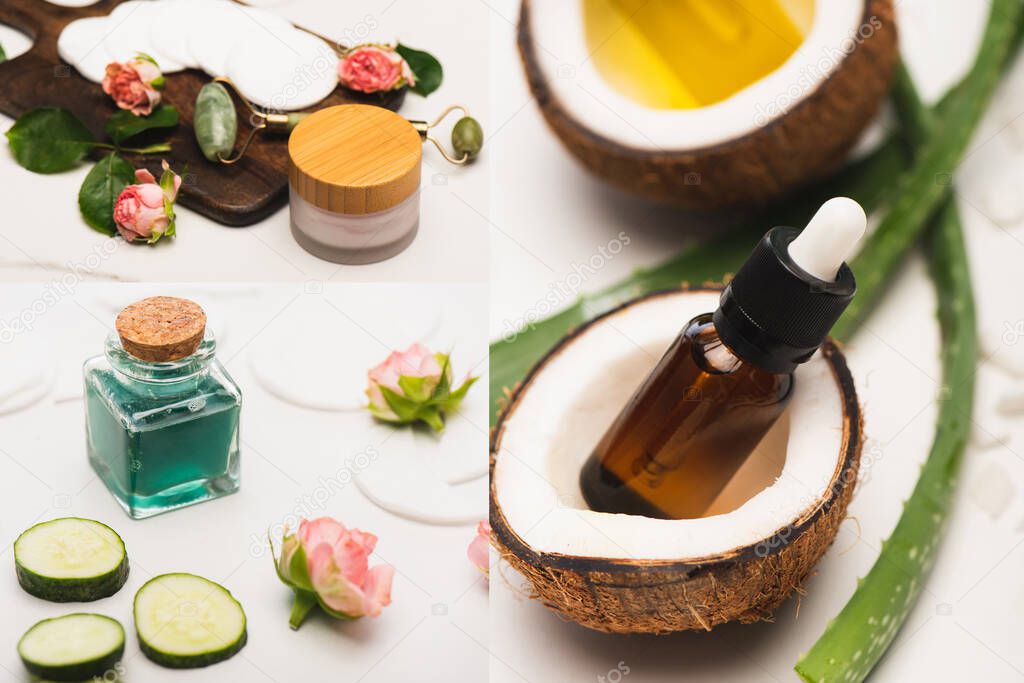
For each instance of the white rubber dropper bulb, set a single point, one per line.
(829, 238)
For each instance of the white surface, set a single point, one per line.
(967, 622)
(559, 421)
(293, 464)
(564, 57)
(42, 235)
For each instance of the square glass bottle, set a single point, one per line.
(162, 414)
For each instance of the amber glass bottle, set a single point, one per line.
(686, 431)
(727, 377)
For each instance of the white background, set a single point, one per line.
(967, 622)
(41, 232)
(435, 628)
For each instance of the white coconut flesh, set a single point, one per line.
(557, 31)
(565, 409)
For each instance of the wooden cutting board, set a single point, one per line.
(236, 195)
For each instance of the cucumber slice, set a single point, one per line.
(74, 647)
(70, 559)
(185, 621)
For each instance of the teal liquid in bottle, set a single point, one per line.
(162, 435)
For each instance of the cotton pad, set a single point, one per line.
(129, 34)
(227, 24)
(294, 72)
(80, 44)
(174, 20)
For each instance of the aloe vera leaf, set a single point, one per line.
(916, 120)
(923, 187)
(857, 638)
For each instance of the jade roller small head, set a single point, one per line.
(467, 135)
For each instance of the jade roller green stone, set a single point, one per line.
(467, 138)
(215, 122)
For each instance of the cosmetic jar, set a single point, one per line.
(354, 181)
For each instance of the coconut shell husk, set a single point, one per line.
(808, 142)
(745, 584)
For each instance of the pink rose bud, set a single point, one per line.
(372, 68)
(146, 210)
(478, 551)
(414, 385)
(326, 563)
(134, 85)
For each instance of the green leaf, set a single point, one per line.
(416, 388)
(3, 55)
(427, 69)
(432, 416)
(124, 125)
(298, 570)
(450, 403)
(444, 384)
(49, 140)
(401, 406)
(100, 190)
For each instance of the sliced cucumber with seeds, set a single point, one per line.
(185, 621)
(74, 647)
(70, 560)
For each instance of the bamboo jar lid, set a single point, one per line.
(161, 328)
(355, 159)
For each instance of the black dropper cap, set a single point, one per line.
(774, 314)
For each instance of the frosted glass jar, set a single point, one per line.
(354, 238)
(354, 179)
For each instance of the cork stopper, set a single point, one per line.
(161, 328)
(355, 159)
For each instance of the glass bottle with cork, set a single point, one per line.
(162, 414)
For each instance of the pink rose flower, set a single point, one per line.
(328, 564)
(416, 361)
(414, 385)
(372, 68)
(146, 210)
(134, 85)
(478, 551)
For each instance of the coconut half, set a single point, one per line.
(792, 125)
(627, 573)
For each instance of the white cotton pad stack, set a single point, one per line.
(228, 26)
(81, 45)
(293, 72)
(128, 34)
(273, 64)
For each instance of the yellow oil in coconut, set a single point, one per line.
(684, 54)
